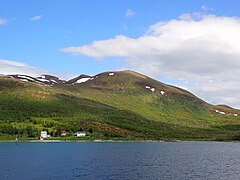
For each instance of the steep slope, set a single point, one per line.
(122, 104)
(148, 97)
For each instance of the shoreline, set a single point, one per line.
(80, 141)
(105, 141)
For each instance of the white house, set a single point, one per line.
(63, 133)
(44, 134)
(80, 134)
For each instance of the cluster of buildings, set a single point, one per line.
(44, 134)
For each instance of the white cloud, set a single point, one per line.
(9, 67)
(206, 8)
(201, 49)
(3, 21)
(36, 18)
(130, 13)
(14, 67)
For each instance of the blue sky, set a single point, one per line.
(40, 33)
(71, 23)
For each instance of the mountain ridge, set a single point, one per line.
(54, 80)
(123, 100)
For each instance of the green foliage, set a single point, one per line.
(90, 131)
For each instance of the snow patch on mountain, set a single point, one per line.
(25, 77)
(220, 112)
(43, 80)
(52, 80)
(150, 88)
(82, 80)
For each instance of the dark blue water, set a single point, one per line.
(178, 160)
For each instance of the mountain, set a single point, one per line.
(44, 79)
(114, 105)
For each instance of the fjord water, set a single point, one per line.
(146, 160)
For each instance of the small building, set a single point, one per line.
(63, 133)
(44, 134)
(80, 134)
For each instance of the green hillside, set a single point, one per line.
(114, 105)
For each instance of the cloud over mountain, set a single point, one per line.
(201, 49)
(14, 67)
